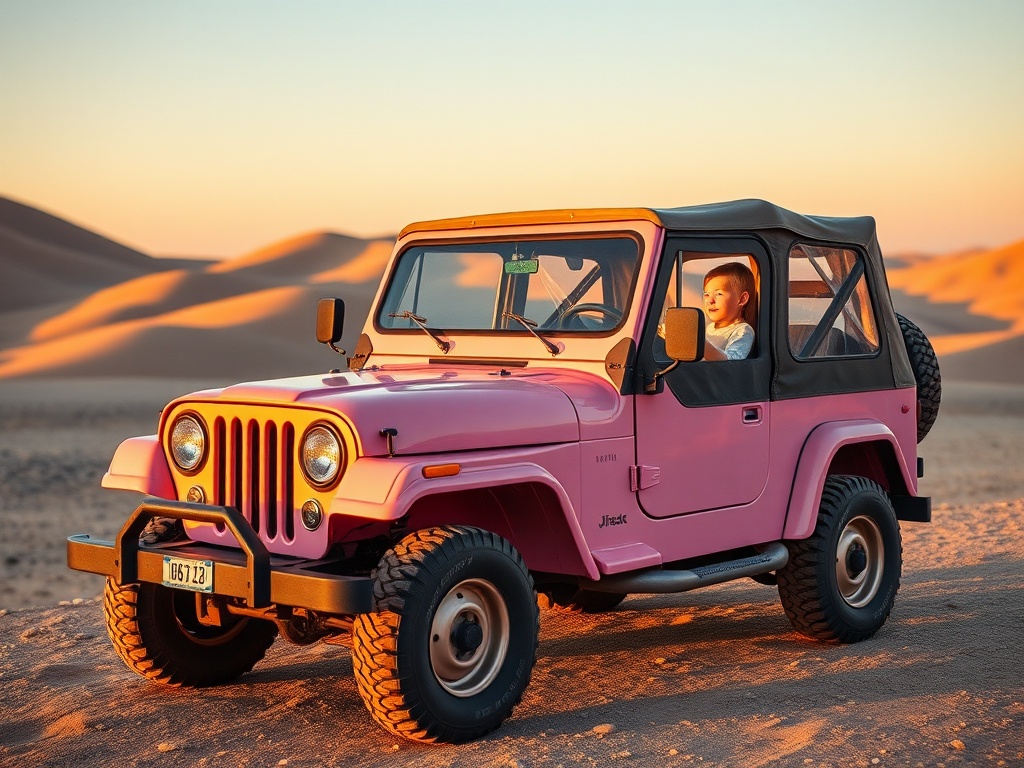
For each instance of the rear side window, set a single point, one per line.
(831, 310)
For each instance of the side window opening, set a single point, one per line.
(831, 313)
(686, 286)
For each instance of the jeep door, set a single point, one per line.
(702, 440)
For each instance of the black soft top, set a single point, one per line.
(780, 229)
(760, 214)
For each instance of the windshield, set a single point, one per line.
(562, 285)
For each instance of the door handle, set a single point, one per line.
(752, 415)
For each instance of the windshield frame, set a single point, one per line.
(510, 292)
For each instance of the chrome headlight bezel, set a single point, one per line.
(321, 441)
(188, 429)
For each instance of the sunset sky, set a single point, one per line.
(213, 128)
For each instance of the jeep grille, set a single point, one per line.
(253, 471)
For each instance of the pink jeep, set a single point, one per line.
(529, 411)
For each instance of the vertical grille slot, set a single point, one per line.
(288, 478)
(236, 468)
(270, 457)
(252, 503)
(220, 458)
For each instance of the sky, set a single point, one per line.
(212, 129)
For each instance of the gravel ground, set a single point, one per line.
(715, 677)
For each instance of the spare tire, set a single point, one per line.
(925, 365)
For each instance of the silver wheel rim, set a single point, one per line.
(469, 637)
(860, 560)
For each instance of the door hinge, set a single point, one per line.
(643, 476)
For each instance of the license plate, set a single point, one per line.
(182, 573)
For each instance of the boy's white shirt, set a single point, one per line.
(735, 341)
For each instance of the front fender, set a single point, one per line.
(385, 489)
(816, 457)
(139, 465)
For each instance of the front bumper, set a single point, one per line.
(250, 573)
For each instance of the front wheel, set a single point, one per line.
(157, 633)
(840, 584)
(451, 645)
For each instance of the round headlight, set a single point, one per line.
(321, 456)
(188, 442)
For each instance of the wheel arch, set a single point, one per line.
(860, 447)
(528, 514)
(521, 501)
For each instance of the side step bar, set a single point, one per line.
(774, 556)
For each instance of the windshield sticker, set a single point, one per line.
(522, 267)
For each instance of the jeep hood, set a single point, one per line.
(439, 411)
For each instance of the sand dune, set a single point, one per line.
(45, 260)
(991, 283)
(254, 335)
(75, 301)
(108, 310)
(971, 305)
(300, 258)
(146, 297)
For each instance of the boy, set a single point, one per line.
(727, 303)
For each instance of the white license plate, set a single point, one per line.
(182, 573)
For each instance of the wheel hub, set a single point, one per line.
(860, 561)
(469, 637)
(856, 561)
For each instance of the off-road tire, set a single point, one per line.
(840, 584)
(569, 598)
(155, 631)
(413, 663)
(925, 365)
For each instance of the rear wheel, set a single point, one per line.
(451, 645)
(157, 633)
(840, 584)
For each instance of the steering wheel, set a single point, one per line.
(573, 314)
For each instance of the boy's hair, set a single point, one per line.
(742, 279)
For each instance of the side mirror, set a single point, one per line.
(684, 341)
(330, 322)
(684, 334)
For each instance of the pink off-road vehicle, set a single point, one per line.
(529, 418)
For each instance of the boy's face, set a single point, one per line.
(723, 303)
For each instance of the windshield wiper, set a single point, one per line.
(530, 325)
(443, 345)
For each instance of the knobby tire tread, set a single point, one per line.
(150, 654)
(925, 364)
(812, 612)
(375, 650)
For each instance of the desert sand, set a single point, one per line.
(714, 677)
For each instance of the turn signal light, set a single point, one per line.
(441, 470)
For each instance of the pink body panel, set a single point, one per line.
(386, 490)
(139, 465)
(625, 546)
(822, 445)
(710, 457)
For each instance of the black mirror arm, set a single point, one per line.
(654, 386)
